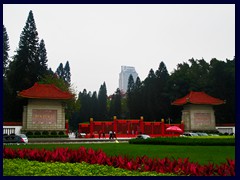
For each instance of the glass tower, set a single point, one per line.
(126, 71)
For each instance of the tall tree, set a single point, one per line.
(116, 108)
(42, 59)
(60, 71)
(23, 70)
(6, 48)
(149, 95)
(102, 101)
(24, 67)
(67, 73)
(64, 73)
(162, 101)
(130, 96)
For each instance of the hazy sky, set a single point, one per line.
(98, 39)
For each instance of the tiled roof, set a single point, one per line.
(45, 91)
(198, 98)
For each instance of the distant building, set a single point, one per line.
(126, 71)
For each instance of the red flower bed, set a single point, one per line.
(144, 163)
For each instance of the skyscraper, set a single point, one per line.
(126, 71)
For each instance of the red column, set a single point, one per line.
(66, 127)
(115, 124)
(162, 127)
(141, 124)
(91, 127)
(79, 127)
(182, 125)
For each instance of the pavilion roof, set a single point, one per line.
(198, 98)
(45, 91)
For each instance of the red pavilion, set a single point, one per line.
(45, 110)
(198, 113)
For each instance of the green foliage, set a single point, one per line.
(29, 133)
(115, 106)
(189, 141)
(53, 79)
(215, 154)
(102, 102)
(61, 133)
(37, 133)
(6, 48)
(45, 133)
(21, 167)
(54, 133)
(64, 73)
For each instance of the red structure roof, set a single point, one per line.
(45, 91)
(198, 98)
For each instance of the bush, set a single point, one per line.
(144, 163)
(190, 141)
(61, 133)
(54, 133)
(37, 133)
(45, 133)
(29, 133)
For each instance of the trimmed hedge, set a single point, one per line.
(47, 136)
(24, 167)
(192, 141)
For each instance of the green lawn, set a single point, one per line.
(200, 154)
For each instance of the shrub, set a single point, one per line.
(192, 141)
(176, 166)
(29, 133)
(45, 133)
(37, 133)
(54, 133)
(61, 133)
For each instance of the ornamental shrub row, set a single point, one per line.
(190, 141)
(142, 164)
(24, 167)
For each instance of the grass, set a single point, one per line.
(200, 154)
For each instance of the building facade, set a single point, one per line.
(126, 71)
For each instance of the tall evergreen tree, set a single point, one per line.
(6, 48)
(64, 73)
(116, 109)
(43, 59)
(60, 71)
(24, 67)
(67, 73)
(162, 101)
(102, 101)
(149, 95)
(130, 96)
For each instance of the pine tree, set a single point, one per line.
(64, 72)
(25, 65)
(67, 73)
(162, 101)
(6, 48)
(42, 59)
(60, 71)
(23, 70)
(102, 101)
(130, 95)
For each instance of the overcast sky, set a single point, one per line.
(98, 39)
